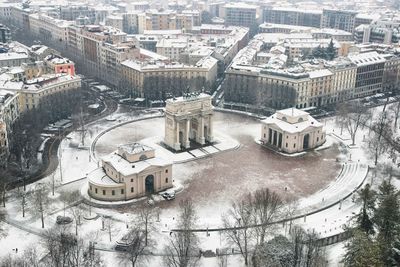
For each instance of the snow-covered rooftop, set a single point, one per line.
(364, 59)
(292, 120)
(134, 148)
(127, 168)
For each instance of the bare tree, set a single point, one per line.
(267, 206)
(31, 257)
(109, 225)
(146, 216)
(342, 112)
(238, 222)
(182, 249)
(306, 251)
(135, 246)
(59, 245)
(65, 249)
(223, 258)
(69, 199)
(377, 144)
(353, 116)
(289, 210)
(40, 201)
(53, 183)
(314, 254)
(3, 192)
(77, 213)
(72, 200)
(23, 201)
(395, 111)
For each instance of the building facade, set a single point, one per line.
(370, 69)
(146, 78)
(338, 19)
(240, 14)
(4, 152)
(291, 131)
(188, 119)
(292, 16)
(130, 172)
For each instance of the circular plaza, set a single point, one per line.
(215, 180)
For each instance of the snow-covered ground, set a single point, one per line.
(317, 178)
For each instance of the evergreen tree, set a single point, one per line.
(387, 219)
(367, 198)
(318, 52)
(361, 251)
(206, 17)
(330, 52)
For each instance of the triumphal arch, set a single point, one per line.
(188, 120)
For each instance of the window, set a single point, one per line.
(166, 180)
(132, 190)
(104, 192)
(286, 144)
(122, 191)
(90, 188)
(113, 192)
(95, 190)
(166, 171)
(294, 145)
(317, 139)
(131, 180)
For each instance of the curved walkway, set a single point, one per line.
(94, 142)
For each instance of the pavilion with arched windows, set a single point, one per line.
(130, 172)
(292, 130)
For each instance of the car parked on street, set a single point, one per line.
(63, 220)
(168, 195)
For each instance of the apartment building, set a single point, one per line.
(370, 69)
(172, 47)
(338, 19)
(292, 16)
(147, 77)
(50, 30)
(240, 14)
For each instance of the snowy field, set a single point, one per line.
(316, 179)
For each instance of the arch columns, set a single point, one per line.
(187, 133)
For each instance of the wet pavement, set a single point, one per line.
(217, 180)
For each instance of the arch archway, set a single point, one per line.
(194, 125)
(149, 184)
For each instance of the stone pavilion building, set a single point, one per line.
(292, 130)
(130, 172)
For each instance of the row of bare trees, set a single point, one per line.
(382, 126)
(251, 228)
(66, 249)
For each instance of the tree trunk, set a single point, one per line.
(146, 235)
(246, 262)
(42, 217)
